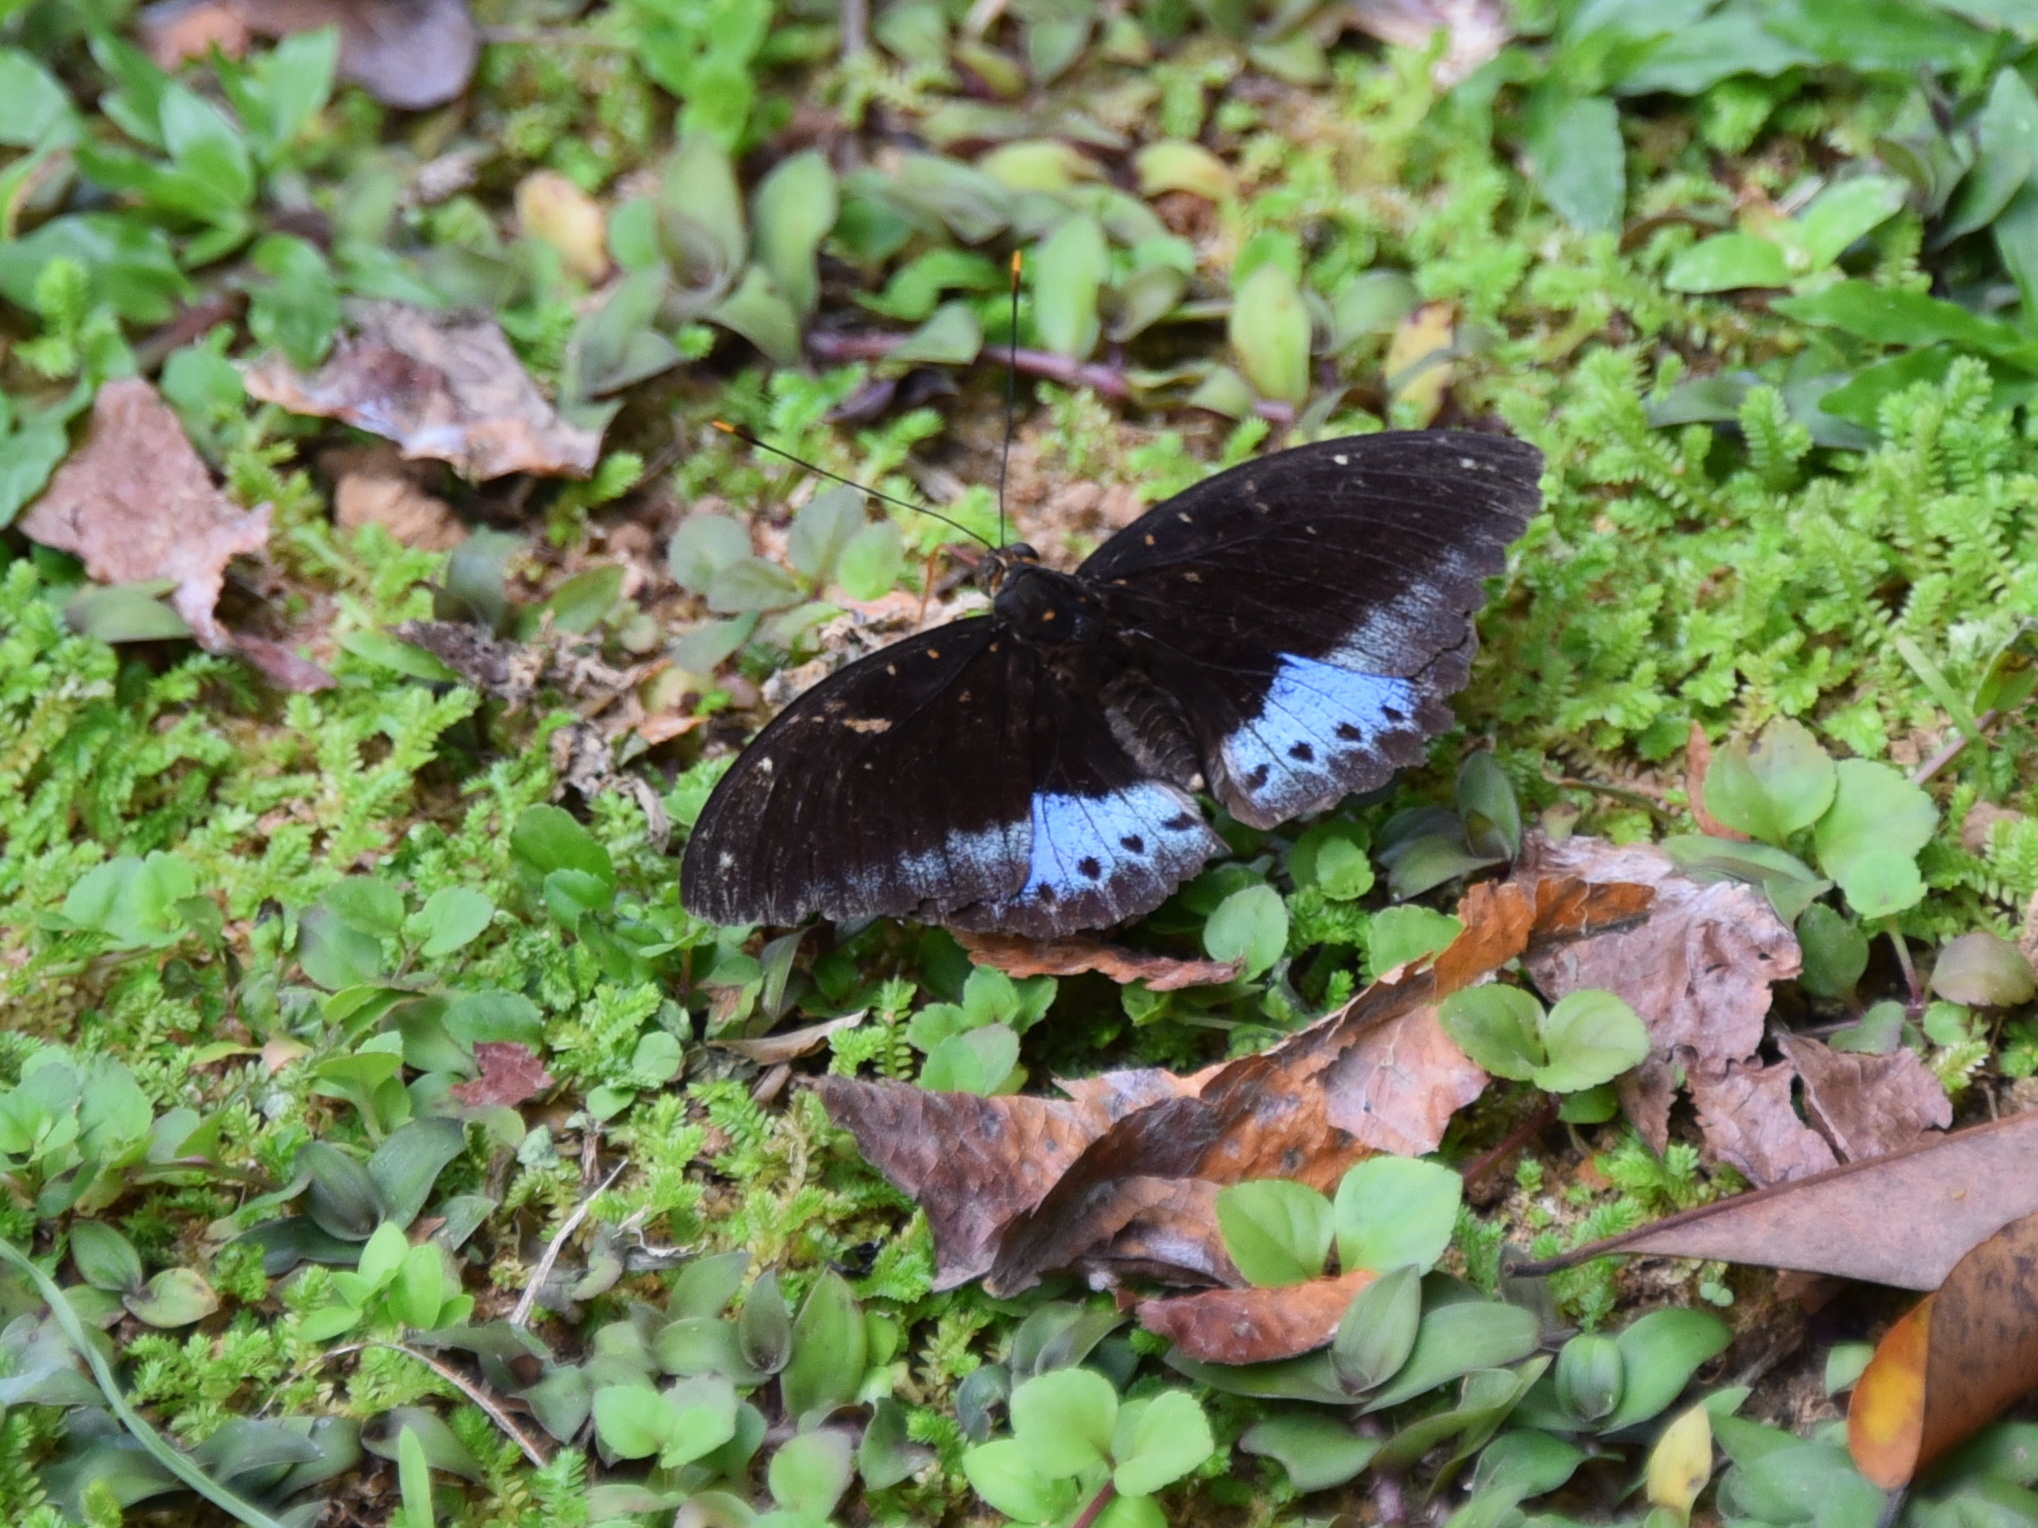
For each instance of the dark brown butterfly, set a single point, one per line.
(1278, 636)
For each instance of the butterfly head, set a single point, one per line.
(998, 565)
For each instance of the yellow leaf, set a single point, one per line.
(1681, 1462)
(1418, 367)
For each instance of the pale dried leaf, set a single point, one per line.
(1397, 1087)
(443, 386)
(510, 1074)
(410, 54)
(1018, 956)
(135, 503)
(1478, 31)
(400, 507)
(1748, 1122)
(773, 1050)
(1868, 1106)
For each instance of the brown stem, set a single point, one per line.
(1108, 380)
(1510, 1143)
(1916, 1005)
(1950, 752)
(855, 27)
(1096, 1507)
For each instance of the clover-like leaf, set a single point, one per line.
(1771, 788)
(1395, 1210)
(1591, 1037)
(1064, 1420)
(1498, 1026)
(1157, 1440)
(1277, 1232)
(1869, 838)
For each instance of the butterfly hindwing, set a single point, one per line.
(1311, 611)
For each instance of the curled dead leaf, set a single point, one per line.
(443, 386)
(1953, 1363)
(1250, 1326)
(774, 1050)
(1021, 957)
(1748, 1122)
(510, 1074)
(1868, 1106)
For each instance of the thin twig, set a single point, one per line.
(855, 16)
(1108, 380)
(528, 1300)
(1619, 793)
(1510, 1143)
(479, 1395)
(1950, 752)
(1916, 1005)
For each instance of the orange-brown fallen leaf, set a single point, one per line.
(1954, 1362)
(1905, 1219)
(410, 54)
(1122, 1176)
(1250, 1326)
(1021, 957)
(443, 386)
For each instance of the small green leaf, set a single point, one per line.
(759, 312)
(1487, 805)
(105, 1258)
(1398, 935)
(366, 904)
(1579, 161)
(1249, 925)
(1589, 1377)
(703, 546)
(546, 838)
(414, 1480)
(822, 530)
(1269, 333)
(1772, 788)
(1849, 210)
(830, 1350)
(1003, 1474)
(1378, 1329)
(1659, 1352)
(174, 1297)
(1318, 1450)
(1455, 1340)
(1591, 1037)
(952, 336)
(752, 584)
(794, 208)
(810, 1472)
(870, 563)
(1983, 971)
(1064, 1420)
(452, 918)
(1499, 1027)
(1277, 1232)
(1157, 1440)
(298, 309)
(581, 602)
(632, 1421)
(1395, 1210)
(1727, 261)
(1835, 951)
(973, 1061)
(1068, 274)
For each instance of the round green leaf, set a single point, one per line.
(1835, 951)
(1869, 838)
(1277, 1232)
(810, 1472)
(1774, 787)
(1331, 856)
(752, 584)
(703, 546)
(1157, 1441)
(871, 560)
(1499, 1027)
(632, 1421)
(1591, 1037)
(1004, 1476)
(451, 919)
(822, 529)
(1064, 1420)
(174, 1297)
(1398, 935)
(1250, 925)
(1395, 1210)
(105, 1258)
(1983, 971)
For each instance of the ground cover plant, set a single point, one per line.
(381, 1140)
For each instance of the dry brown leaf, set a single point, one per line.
(135, 503)
(1748, 1123)
(1123, 1178)
(1905, 1219)
(1952, 1364)
(1021, 957)
(280, 666)
(410, 54)
(510, 1074)
(971, 1163)
(509, 671)
(444, 386)
(1251, 1326)
(1697, 761)
(774, 1050)
(400, 507)
(1868, 1106)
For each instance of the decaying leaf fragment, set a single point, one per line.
(1021, 957)
(1904, 1219)
(1953, 1362)
(510, 1074)
(1122, 1176)
(410, 54)
(1250, 1326)
(135, 503)
(442, 386)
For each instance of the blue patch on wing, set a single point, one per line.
(1316, 725)
(1082, 844)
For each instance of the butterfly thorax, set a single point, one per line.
(1037, 604)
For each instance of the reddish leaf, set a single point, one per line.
(510, 1073)
(443, 386)
(1250, 1326)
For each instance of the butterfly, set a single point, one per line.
(1276, 637)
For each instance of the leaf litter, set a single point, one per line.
(443, 386)
(137, 505)
(410, 54)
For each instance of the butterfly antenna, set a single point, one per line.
(876, 493)
(1011, 396)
